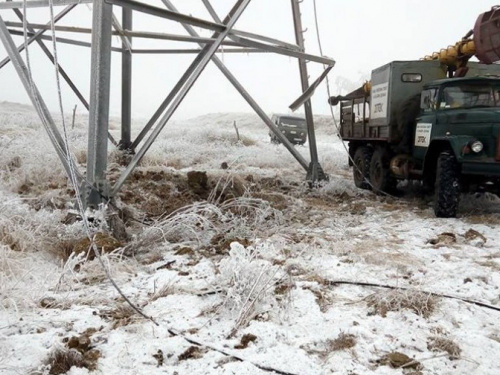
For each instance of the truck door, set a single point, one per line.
(425, 123)
(470, 109)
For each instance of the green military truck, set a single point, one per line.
(412, 122)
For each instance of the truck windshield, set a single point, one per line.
(293, 122)
(471, 95)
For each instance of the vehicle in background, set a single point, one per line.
(293, 127)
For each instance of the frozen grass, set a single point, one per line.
(249, 262)
(420, 303)
(24, 279)
(444, 344)
(24, 229)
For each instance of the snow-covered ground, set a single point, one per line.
(246, 271)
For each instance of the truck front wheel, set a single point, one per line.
(380, 173)
(361, 167)
(448, 187)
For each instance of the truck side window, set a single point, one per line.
(428, 101)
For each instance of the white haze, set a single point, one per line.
(360, 35)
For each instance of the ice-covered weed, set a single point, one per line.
(196, 222)
(337, 187)
(199, 222)
(252, 212)
(247, 281)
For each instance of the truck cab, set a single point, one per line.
(465, 113)
(459, 126)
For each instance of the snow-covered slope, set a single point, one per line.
(244, 271)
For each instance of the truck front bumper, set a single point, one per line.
(482, 168)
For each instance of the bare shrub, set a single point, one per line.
(420, 303)
(443, 344)
(251, 212)
(344, 341)
(24, 278)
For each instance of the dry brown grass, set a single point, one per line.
(61, 360)
(165, 291)
(6, 238)
(486, 219)
(62, 249)
(420, 303)
(490, 264)
(81, 157)
(193, 352)
(120, 316)
(342, 342)
(443, 344)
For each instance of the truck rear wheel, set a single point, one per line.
(448, 187)
(361, 167)
(380, 174)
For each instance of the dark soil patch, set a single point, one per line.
(193, 352)
(78, 352)
(399, 360)
(161, 192)
(245, 340)
(104, 242)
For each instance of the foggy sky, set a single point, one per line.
(359, 34)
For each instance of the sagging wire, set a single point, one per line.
(320, 46)
(30, 79)
(72, 167)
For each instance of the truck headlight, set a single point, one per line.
(476, 146)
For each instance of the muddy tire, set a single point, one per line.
(380, 174)
(361, 167)
(448, 187)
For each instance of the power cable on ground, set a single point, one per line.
(384, 286)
